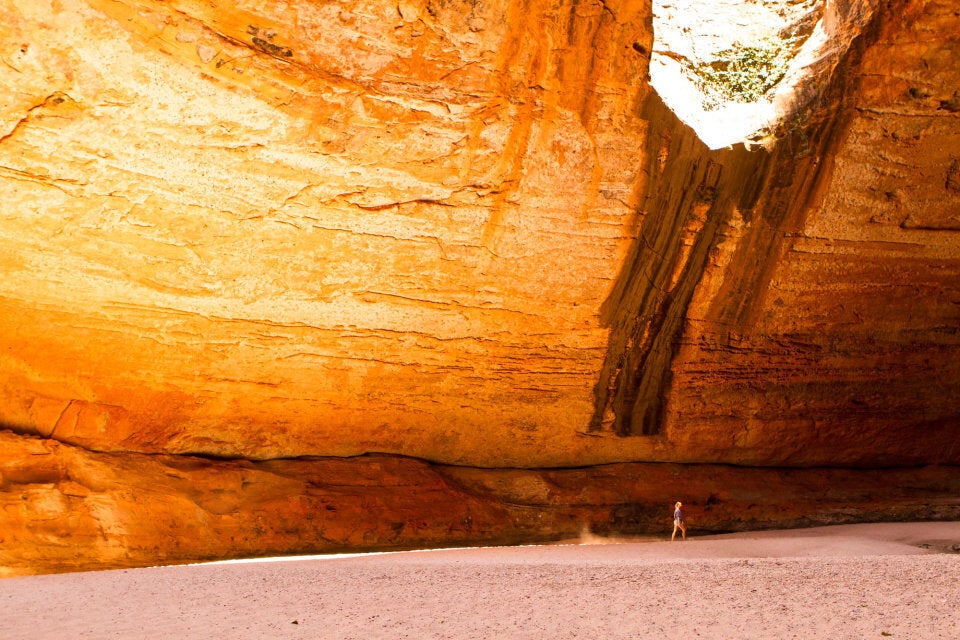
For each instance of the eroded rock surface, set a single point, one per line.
(67, 509)
(461, 236)
(315, 230)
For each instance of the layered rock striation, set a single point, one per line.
(423, 256)
(68, 509)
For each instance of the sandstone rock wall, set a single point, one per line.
(67, 509)
(429, 232)
(460, 236)
(305, 230)
(770, 310)
(828, 286)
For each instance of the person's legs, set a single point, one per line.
(683, 530)
(675, 525)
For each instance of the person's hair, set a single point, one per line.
(677, 505)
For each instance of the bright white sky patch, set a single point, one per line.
(732, 69)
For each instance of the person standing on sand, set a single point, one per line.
(678, 522)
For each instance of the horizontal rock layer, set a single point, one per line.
(63, 508)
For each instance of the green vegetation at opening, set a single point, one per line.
(742, 73)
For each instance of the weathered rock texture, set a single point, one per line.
(468, 234)
(69, 509)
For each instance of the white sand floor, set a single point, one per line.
(897, 580)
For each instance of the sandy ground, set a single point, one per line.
(858, 581)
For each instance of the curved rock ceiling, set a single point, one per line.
(464, 233)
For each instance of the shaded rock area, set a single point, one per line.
(66, 509)
(452, 272)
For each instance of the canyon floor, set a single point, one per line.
(854, 581)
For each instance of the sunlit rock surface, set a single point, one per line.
(467, 234)
(316, 229)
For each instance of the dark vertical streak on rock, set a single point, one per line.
(653, 378)
(648, 305)
(689, 187)
(798, 174)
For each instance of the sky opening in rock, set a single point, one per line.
(735, 69)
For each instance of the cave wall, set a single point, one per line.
(469, 239)
(809, 336)
(301, 230)
(228, 235)
(65, 508)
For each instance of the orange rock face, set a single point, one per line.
(838, 295)
(316, 230)
(68, 509)
(466, 234)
